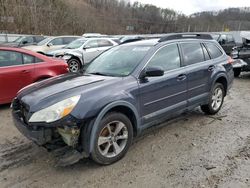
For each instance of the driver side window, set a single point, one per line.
(92, 44)
(57, 41)
(167, 58)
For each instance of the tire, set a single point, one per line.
(216, 100)
(108, 148)
(74, 65)
(237, 72)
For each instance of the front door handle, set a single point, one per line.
(181, 77)
(25, 71)
(211, 68)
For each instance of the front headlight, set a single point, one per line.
(66, 57)
(56, 111)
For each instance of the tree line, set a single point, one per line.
(59, 17)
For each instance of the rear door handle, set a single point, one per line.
(25, 71)
(181, 77)
(211, 68)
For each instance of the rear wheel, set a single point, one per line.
(74, 65)
(215, 101)
(237, 72)
(112, 138)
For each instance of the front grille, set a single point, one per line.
(21, 109)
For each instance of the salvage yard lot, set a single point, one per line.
(195, 151)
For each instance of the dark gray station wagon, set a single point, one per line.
(122, 92)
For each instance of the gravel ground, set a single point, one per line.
(193, 151)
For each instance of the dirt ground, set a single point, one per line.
(195, 151)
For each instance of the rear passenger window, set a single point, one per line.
(37, 60)
(192, 53)
(206, 55)
(104, 43)
(28, 59)
(167, 58)
(213, 50)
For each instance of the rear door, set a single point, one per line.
(164, 95)
(14, 75)
(199, 68)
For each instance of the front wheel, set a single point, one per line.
(215, 101)
(74, 65)
(112, 138)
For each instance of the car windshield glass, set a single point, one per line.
(118, 61)
(43, 42)
(75, 44)
(19, 39)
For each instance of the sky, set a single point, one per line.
(191, 6)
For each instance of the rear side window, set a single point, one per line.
(213, 50)
(206, 55)
(37, 60)
(28, 59)
(10, 58)
(192, 53)
(104, 43)
(167, 58)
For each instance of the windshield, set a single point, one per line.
(75, 44)
(118, 61)
(19, 39)
(43, 42)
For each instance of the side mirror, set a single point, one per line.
(49, 44)
(153, 72)
(86, 47)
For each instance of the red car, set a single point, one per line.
(19, 68)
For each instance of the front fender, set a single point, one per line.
(70, 55)
(98, 119)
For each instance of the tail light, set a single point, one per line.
(230, 60)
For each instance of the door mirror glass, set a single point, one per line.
(86, 47)
(49, 44)
(153, 72)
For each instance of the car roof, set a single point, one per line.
(22, 50)
(147, 42)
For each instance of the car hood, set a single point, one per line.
(50, 91)
(57, 52)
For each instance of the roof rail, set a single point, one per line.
(186, 36)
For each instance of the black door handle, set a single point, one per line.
(181, 77)
(25, 71)
(211, 68)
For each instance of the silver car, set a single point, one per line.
(82, 51)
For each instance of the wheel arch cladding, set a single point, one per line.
(119, 106)
(223, 81)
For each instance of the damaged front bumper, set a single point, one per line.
(62, 132)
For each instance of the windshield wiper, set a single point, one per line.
(99, 73)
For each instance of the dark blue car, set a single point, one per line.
(125, 90)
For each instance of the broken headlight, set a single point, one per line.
(56, 111)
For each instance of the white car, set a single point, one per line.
(51, 43)
(82, 51)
